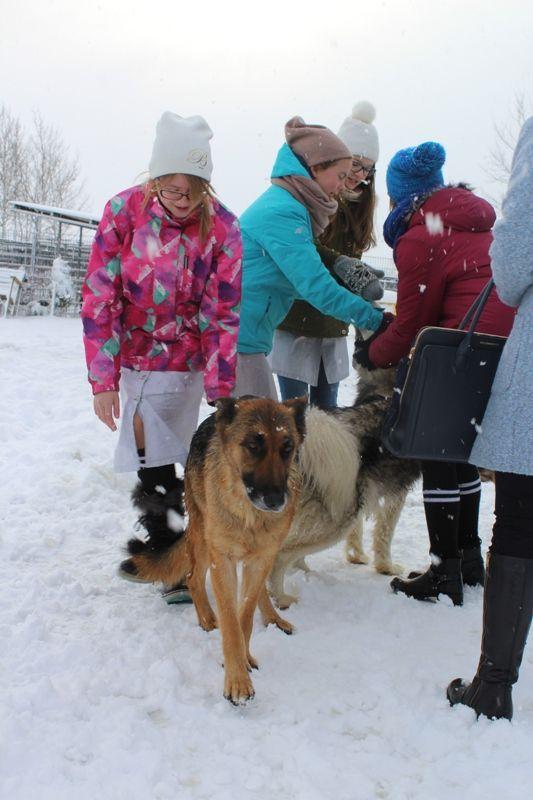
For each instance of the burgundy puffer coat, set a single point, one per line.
(443, 263)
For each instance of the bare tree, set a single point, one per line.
(36, 167)
(498, 164)
(13, 164)
(53, 177)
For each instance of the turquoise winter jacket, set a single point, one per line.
(281, 264)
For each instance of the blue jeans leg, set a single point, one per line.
(323, 396)
(290, 387)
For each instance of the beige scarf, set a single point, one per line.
(308, 192)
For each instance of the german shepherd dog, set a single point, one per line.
(347, 476)
(241, 492)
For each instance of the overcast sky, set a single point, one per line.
(103, 72)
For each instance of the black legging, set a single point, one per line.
(451, 504)
(512, 534)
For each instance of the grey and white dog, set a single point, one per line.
(347, 476)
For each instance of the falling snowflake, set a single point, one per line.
(434, 224)
(175, 521)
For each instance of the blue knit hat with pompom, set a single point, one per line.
(415, 170)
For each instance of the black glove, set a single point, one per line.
(360, 354)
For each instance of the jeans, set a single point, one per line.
(324, 395)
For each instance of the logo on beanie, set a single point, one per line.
(198, 157)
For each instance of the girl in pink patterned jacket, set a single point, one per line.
(160, 316)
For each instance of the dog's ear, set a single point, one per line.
(226, 410)
(298, 406)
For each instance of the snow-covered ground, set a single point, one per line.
(108, 694)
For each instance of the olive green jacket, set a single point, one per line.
(304, 319)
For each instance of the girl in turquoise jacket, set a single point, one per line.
(280, 261)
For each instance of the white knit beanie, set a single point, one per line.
(181, 146)
(358, 133)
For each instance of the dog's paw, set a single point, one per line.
(285, 600)
(208, 623)
(284, 626)
(238, 689)
(252, 663)
(274, 618)
(356, 557)
(388, 568)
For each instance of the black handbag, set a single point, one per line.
(442, 390)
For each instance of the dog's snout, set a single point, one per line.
(267, 498)
(274, 499)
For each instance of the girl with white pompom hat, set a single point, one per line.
(310, 352)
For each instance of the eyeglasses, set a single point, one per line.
(173, 194)
(169, 193)
(358, 167)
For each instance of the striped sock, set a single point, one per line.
(470, 496)
(442, 507)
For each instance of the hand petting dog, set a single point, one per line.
(361, 354)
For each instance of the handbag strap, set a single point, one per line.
(461, 358)
(475, 310)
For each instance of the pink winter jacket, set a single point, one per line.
(155, 298)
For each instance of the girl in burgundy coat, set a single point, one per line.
(440, 236)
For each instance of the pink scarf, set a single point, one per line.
(308, 192)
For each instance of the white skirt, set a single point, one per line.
(168, 404)
(254, 376)
(299, 357)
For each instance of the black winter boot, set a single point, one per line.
(444, 578)
(472, 567)
(507, 609)
(163, 514)
(162, 519)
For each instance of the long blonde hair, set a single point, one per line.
(201, 194)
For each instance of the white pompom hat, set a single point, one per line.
(181, 146)
(358, 133)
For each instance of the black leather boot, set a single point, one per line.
(507, 609)
(472, 567)
(444, 578)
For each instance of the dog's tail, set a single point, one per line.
(170, 565)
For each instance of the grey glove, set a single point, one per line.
(358, 277)
(379, 273)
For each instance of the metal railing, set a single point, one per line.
(390, 281)
(36, 259)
